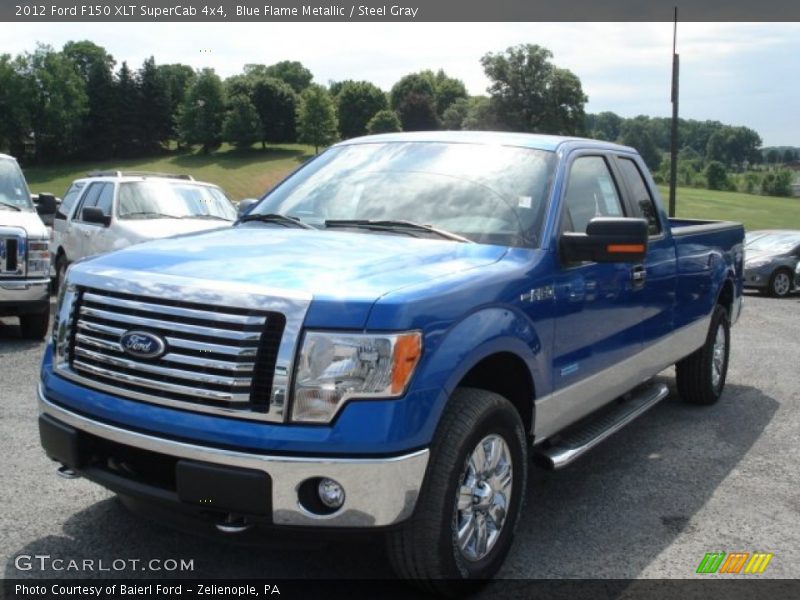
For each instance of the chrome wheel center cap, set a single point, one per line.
(482, 496)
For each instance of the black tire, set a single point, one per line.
(695, 374)
(61, 270)
(425, 548)
(34, 326)
(780, 283)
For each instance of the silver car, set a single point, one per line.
(771, 261)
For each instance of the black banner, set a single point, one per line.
(401, 11)
(747, 587)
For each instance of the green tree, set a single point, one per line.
(56, 103)
(604, 126)
(716, 176)
(453, 117)
(200, 121)
(288, 71)
(177, 79)
(316, 117)
(242, 126)
(446, 91)
(421, 84)
(482, 116)
(276, 104)
(384, 121)
(634, 133)
(530, 93)
(15, 122)
(356, 103)
(418, 113)
(789, 155)
(127, 99)
(777, 183)
(155, 116)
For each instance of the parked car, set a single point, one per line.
(771, 259)
(111, 210)
(24, 251)
(409, 318)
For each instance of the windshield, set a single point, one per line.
(177, 199)
(13, 189)
(487, 194)
(776, 243)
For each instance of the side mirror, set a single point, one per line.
(46, 204)
(244, 205)
(607, 240)
(92, 214)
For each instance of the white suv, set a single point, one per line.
(110, 210)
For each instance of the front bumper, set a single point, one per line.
(379, 491)
(22, 296)
(756, 278)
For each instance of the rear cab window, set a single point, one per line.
(640, 195)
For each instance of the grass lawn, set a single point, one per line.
(251, 172)
(756, 212)
(241, 173)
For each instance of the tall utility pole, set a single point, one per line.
(673, 150)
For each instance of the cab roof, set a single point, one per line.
(551, 143)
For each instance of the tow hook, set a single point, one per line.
(67, 473)
(233, 524)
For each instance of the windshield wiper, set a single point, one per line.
(284, 220)
(9, 205)
(215, 217)
(398, 225)
(154, 215)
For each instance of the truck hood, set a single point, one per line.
(342, 271)
(29, 221)
(153, 229)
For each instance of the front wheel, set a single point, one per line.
(780, 284)
(464, 522)
(701, 375)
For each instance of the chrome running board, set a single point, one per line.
(576, 441)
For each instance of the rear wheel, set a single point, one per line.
(34, 325)
(463, 525)
(780, 284)
(701, 375)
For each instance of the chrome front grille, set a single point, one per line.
(219, 359)
(12, 252)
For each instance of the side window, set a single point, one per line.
(106, 199)
(640, 194)
(591, 192)
(89, 199)
(68, 202)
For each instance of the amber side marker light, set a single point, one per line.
(407, 351)
(625, 248)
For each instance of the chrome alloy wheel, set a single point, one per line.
(483, 496)
(718, 357)
(782, 284)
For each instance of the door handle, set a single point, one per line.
(638, 275)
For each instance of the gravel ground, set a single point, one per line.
(648, 503)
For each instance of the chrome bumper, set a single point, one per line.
(24, 290)
(379, 492)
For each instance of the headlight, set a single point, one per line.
(755, 264)
(334, 367)
(39, 257)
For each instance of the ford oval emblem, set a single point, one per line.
(142, 344)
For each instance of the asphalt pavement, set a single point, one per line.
(648, 503)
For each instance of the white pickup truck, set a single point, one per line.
(24, 252)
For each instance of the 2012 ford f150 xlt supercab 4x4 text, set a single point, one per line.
(386, 337)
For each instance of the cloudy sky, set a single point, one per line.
(737, 73)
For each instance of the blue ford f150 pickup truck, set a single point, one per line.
(386, 338)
